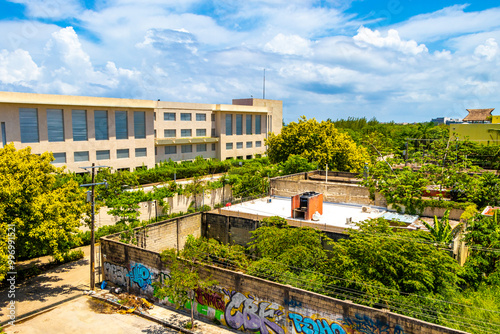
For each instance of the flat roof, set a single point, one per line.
(334, 214)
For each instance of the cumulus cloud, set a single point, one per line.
(488, 50)
(289, 45)
(366, 37)
(18, 68)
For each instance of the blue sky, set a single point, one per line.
(407, 61)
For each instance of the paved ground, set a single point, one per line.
(80, 316)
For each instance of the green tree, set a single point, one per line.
(45, 213)
(185, 277)
(296, 164)
(317, 142)
(441, 232)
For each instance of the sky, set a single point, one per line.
(402, 61)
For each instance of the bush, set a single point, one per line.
(71, 256)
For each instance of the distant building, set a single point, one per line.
(479, 115)
(130, 133)
(446, 120)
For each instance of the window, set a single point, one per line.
(186, 133)
(79, 120)
(101, 124)
(4, 135)
(185, 117)
(213, 133)
(270, 123)
(82, 156)
(249, 157)
(28, 117)
(248, 123)
(121, 124)
(201, 132)
(229, 125)
(170, 149)
(239, 125)
(55, 125)
(139, 124)
(229, 146)
(201, 117)
(186, 148)
(249, 144)
(169, 133)
(201, 147)
(258, 143)
(60, 158)
(169, 116)
(141, 152)
(102, 155)
(122, 153)
(258, 121)
(156, 150)
(155, 133)
(212, 117)
(239, 145)
(213, 147)
(154, 116)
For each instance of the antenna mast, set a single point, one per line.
(264, 86)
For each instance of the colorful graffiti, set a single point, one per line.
(362, 323)
(116, 274)
(140, 275)
(245, 313)
(210, 298)
(307, 325)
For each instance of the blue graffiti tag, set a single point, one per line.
(307, 325)
(140, 275)
(365, 324)
(245, 313)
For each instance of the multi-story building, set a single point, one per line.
(130, 133)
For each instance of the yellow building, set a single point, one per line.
(483, 133)
(130, 133)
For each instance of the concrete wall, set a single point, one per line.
(482, 133)
(332, 192)
(250, 304)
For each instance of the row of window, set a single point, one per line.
(28, 118)
(171, 116)
(172, 133)
(239, 124)
(239, 145)
(60, 158)
(186, 148)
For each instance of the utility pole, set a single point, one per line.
(92, 222)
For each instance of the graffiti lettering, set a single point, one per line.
(140, 275)
(365, 324)
(293, 303)
(307, 325)
(245, 313)
(210, 298)
(115, 274)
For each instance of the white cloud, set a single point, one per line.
(367, 37)
(18, 68)
(53, 9)
(289, 45)
(487, 50)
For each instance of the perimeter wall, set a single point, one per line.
(244, 302)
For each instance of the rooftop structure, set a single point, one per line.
(130, 133)
(478, 115)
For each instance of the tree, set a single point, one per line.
(45, 213)
(441, 232)
(296, 164)
(317, 142)
(184, 277)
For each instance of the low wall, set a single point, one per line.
(246, 303)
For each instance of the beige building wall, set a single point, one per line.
(204, 135)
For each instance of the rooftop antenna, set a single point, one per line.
(264, 86)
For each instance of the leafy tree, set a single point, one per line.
(441, 232)
(184, 277)
(317, 142)
(296, 164)
(482, 236)
(45, 213)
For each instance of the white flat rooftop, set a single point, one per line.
(334, 214)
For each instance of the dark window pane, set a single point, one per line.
(201, 117)
(258, 122)
(187, 148)
(122, 153)
(185, 117)
(229, 125)
(60, 158)
(185, 132)
(79, 120)
(201, 147)
(141, 152)
(139, 124)
(168, 133)
(170, 149)
(55, 125)
(28, 117)
(102, 155)
(169, 116)
(101, 124)
(239, 125)
(249, 124)
(201, 132)
(82, 156)
(121, 124)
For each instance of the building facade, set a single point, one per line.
(130, 133)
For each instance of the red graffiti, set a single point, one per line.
(210, 298)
